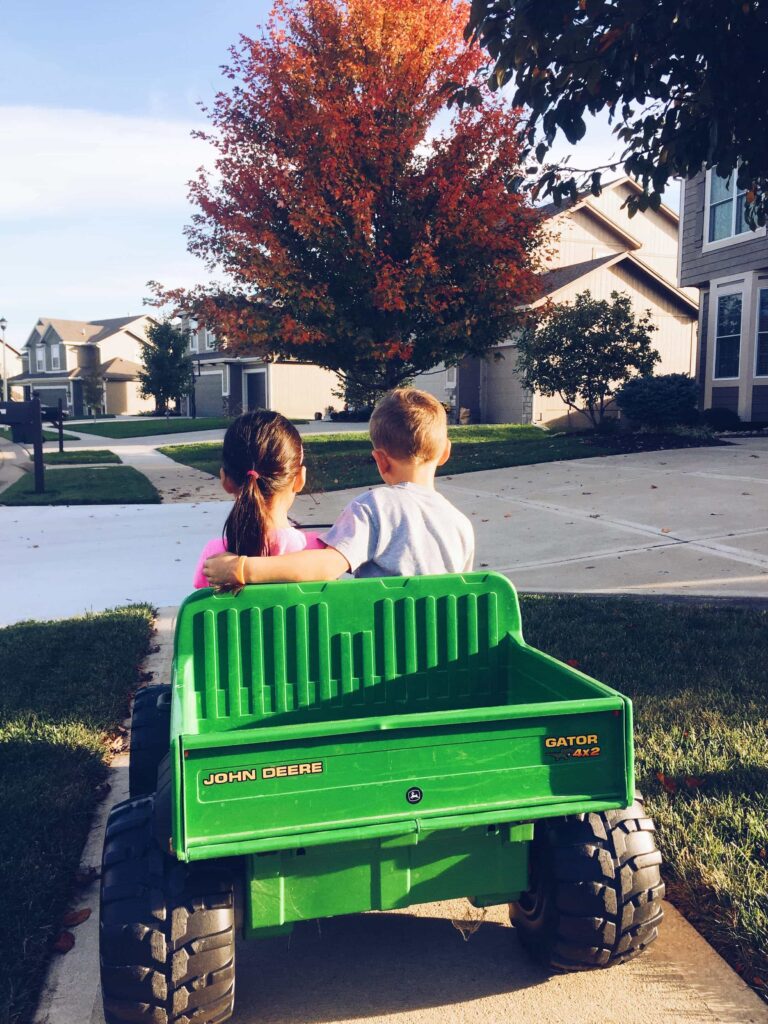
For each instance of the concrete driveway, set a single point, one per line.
(417, 967)
(691, 521)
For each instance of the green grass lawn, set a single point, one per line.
(48, 435)
(698, 678)
(64, 689)
(83, 457)
(335, 461)
(121, 485)
(151, 427)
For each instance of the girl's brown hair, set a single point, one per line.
(262, 455)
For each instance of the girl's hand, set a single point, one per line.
(221, 571)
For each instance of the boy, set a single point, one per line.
(403, 529)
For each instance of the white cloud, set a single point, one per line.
(92, 206)
(59, 162)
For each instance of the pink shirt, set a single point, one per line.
(283, 541)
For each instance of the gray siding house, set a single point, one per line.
(59, 355)
(227, 384)
(728, 262)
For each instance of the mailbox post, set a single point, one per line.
(26, 423)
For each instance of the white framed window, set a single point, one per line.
(761, 342)
(210, 339)
(450, 377)
(55, 357)
(40, 358)
(724, 213)
(728, 336)
(726, 207)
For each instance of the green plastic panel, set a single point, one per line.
(488, 863)
(319, 652)
(305, 715)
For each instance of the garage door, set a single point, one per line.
(506, 401)
(208, 394)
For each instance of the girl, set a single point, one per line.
(263, 466)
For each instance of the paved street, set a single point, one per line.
(691, 521)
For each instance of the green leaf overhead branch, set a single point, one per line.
(684, 81)
(362, 226)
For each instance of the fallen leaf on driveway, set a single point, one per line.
(654, 487)
(666, 529)
(76, 917)
(64, 942)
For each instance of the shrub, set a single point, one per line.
(721, 419)
(668, 400)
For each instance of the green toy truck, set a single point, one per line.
(331, 748)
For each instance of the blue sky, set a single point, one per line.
(97, 102)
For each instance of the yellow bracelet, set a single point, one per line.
(240, 570)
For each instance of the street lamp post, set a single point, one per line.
(3, 325)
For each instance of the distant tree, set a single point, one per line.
(584, 350)
(167, 369)
(93, 388)
(356, 234)
(686, 82)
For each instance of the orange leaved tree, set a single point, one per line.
(359, 223)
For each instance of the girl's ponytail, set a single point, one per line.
(262, 455)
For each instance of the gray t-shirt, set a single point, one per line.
(403, 530)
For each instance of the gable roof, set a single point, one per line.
(119, 369)
(550, 210)
(554, 280)
(83, 332)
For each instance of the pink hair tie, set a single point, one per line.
(253, 473)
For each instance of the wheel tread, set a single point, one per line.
(605, 890)
(167, 929)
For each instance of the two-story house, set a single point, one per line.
(595, 246)
(227, 384)
(728, 262)
(61, 358)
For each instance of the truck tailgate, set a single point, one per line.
(291, 786)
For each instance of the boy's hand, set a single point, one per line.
(221, 571)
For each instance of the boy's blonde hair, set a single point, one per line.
(409, 424)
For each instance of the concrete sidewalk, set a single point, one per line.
(413, 966)
(689, 521)
(174, 481)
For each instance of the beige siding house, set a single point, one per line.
(60, 355)
(596, 247)
(227, 384)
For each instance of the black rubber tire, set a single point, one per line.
(167, 929)
(596, 890)
(150, 737)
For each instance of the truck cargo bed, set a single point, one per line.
(292, 729)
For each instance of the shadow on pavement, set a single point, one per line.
(374, 965)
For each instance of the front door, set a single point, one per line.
(256, 389)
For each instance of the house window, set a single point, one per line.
(728, 340)
(761, 367)
(55, 358)
(450, 377)
(210, 339)
(40, 359)
(726, 208)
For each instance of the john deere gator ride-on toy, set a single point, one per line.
(330, 748)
